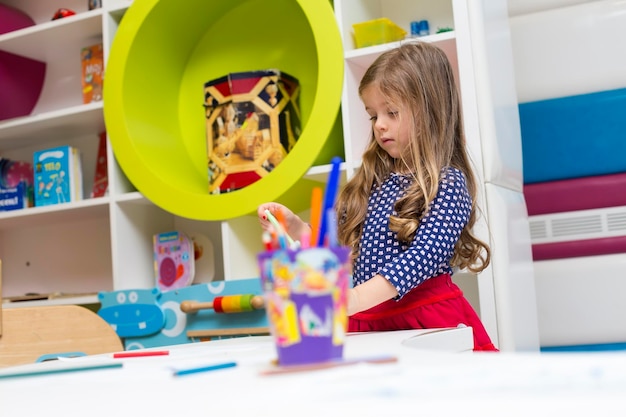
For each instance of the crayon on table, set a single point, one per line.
(209, 368)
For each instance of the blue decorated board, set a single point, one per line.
(141, 333)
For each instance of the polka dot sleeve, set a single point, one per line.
(432, 248)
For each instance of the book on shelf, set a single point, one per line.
(101, 178)
(174, 260)
(58, 176)
(92, 75)
(16, 184)
(14, 198)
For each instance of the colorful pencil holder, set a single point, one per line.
(306, 302)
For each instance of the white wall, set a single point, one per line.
(563, 48)
(567, 47)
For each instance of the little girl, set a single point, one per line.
(409, 210)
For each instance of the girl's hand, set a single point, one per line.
(295, 226)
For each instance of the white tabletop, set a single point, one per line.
(428, 378)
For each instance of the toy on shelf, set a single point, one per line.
(94, 4)
(174, 260)
(133, 313)
(420, 28)
(377, 32)
(63, 12)
(252, 123)
(226, 304)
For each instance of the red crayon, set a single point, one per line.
(135, 354)
(267, 240)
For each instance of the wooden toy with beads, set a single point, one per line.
(226, 304)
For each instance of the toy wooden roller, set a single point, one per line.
(226, 304)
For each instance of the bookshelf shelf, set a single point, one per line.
(44, 41)
(58, 124)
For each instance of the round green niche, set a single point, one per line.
(163, 53)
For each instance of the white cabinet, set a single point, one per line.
(479, 49)
(56, 248)
(99, 244)
(75, 250)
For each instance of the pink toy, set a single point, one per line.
(21, 78)
(13, 19)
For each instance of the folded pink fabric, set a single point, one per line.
(576, 194)
(576, 248)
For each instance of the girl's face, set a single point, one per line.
(390, 134)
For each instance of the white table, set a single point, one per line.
(430, 378)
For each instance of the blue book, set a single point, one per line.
(58, 176)
(14, 198)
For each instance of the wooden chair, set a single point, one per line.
(28, 333)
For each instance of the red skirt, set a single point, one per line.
(436, 303)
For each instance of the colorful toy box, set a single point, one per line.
(252, 123)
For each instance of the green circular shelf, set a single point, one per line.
(164, 52)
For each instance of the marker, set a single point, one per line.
(280, 230)
(267, 240)
(305, 239)
(331, 228)
(140, 354)
(330, 195)
(189, 371)
(317, 194)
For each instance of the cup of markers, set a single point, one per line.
(306, 283)
(306, 302)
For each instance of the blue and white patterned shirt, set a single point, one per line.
(429, 254)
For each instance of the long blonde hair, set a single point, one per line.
(416, 78)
